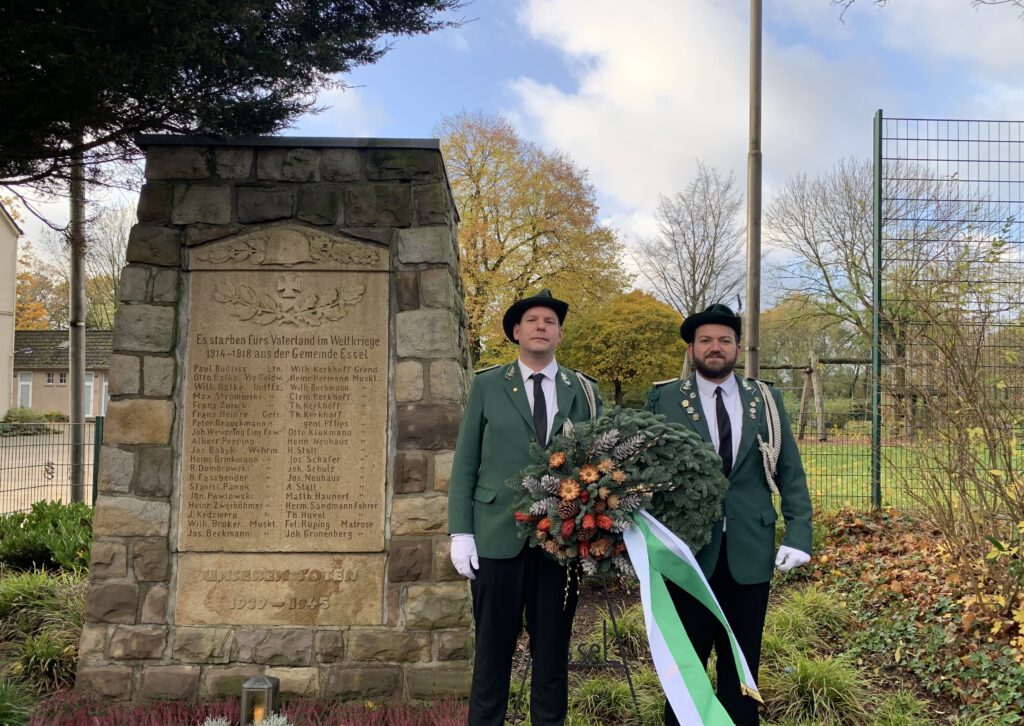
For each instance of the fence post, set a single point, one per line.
(876, 321)
(97, 442)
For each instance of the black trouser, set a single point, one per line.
(745, 607)
(501, 591)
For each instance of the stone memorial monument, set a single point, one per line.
(287, 381)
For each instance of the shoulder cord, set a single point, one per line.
(568, 426)
(770, 450)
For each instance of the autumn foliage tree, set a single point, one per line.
(529, 219)
(627, 342)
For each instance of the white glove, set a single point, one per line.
(788, 558)
(464, 555)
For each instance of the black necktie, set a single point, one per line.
(540, 409)
(724, 432)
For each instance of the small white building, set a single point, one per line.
(9, 233)
(40, 379)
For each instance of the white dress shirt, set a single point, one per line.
(733, 405)
(547, 385)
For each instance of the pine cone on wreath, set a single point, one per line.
(568, 510)
(587, 533)
(600, 505)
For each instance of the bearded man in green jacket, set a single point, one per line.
(731, 414)
(511, 407)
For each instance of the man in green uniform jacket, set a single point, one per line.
(730, 413)
(511, 407)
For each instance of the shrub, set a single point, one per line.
(829, 689)
(20, 421)
(632, 632)
(40, 625)
(15, 703)
(52, 536)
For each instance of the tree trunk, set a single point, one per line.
(618, 393)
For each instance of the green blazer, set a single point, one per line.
(748, 507)
(494, 446)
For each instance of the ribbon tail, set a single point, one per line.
(680, 671)
(671, 557)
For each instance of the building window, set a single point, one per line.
(90, 378)
(63, 378)
(25, 389)
(106, 395)
(49, 378)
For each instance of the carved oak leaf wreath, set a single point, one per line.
(306, 310)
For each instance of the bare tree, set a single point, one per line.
(697, 257)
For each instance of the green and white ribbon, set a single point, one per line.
(657, 554)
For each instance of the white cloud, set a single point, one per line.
(350, 112)
(658, 85)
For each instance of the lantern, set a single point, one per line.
(259, 699)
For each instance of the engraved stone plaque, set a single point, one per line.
(285, 405)
(273, 589)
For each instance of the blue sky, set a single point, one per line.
(636, 92)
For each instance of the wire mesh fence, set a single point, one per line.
(38, 463)
(951, 326)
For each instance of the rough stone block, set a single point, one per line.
(116, 469)
(410, 472)
(138, 421)
(419, 515)
(111, 601)
(369, 682)
(176, 162)
(153, 472)
(92, 644)
(227, 681)
(437, 682)
(155, 202)
(454, 644)
(408, 381)
(329, 646)
(378, 205)
(130, 517)
(426, 334)
(433, 426)
(256, 204)
(154, 604)
(197, 234)
(202, 204)
(158, 375)
(425, 244)
(297, 681)
(138, 641)
(407, 290)
(154, 245)
(388, 645)
(124, 375)
(437, 289)
(431, 202)
(151, 560)
(202, 645)
(341, 164)
(393, 605)
(319, 206)
(165, 286)
(296, 165)
(432, 607)
(443, 470)
(147, 328)
(403, 164)
(133, 287)
(444, 570)
(233, 163)
(108, 559)
(174, 682)
(447, 381)
(410, 560)
(105, 681)
(275, 647)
